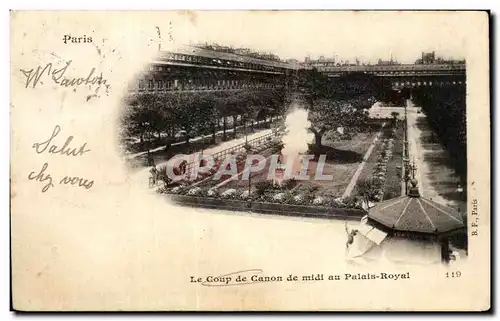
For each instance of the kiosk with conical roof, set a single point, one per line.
(408, 221)
(415, 217)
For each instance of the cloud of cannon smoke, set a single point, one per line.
(297, 136)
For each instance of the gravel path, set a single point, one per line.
(437, 179)
(354, 179)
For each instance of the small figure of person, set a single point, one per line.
(350, 237)
(151, 161)
(182, 167)
(280, 159)
(153, 176)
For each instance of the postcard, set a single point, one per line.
(250, 161)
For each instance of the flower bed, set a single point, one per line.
(286, 193)
(380, 170)
(372, 188)
(269, 208)
(394, 167)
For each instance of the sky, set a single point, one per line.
(367, 36)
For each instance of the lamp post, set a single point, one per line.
(248, 152)
(246, 135)
(406, 176)
(406, 152)
(249, 183)
(249, 200)
(413, 169)
(460, 189)
(405, 128)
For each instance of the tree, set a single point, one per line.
(247, 111)
(314, 86)
(233, 104)
(167, 114)
(358, 85)
(269, 102)
(207, 115)
(190, 112)
(142, 117)
(279, 102)
(328, 115)
(337, 103)
(217, 108)
(222, 110)
(254, 106)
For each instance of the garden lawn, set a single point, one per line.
(367, 171)
(343, 158)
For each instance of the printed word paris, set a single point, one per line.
(65, 149)
(70, 39)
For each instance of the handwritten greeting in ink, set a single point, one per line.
(50, 147)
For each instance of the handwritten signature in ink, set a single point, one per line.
(34, 76)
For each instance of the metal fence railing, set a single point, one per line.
(236, 149)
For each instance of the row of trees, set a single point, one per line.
(195, 113)
(339, 102)
(445, 110)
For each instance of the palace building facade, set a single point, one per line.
(200, 69)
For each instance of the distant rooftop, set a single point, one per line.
(215, 54)
(239, 51)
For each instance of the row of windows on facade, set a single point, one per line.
(398, 69)
(174, 84)
(329, 64)
(427, 83)
(418, 73)
(216, 62)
